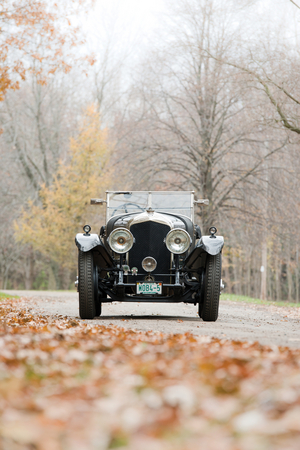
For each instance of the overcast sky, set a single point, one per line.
(132, 25)
(137, 18)
(143, 17)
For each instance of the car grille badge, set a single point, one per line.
(134, 271)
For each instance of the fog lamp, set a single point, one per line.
(149, 264)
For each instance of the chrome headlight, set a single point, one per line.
(120, 240)
(149, 264)
(178, 241)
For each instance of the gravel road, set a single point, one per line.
(238, 321)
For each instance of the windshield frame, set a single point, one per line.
(189, 194)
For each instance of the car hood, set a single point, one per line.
(127, 220)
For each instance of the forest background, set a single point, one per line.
(210, 102)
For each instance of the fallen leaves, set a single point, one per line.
(69, 384)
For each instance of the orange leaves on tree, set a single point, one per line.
(36, 36)
(65, 205)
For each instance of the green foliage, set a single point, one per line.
(119, 440)
(41, 281)
(3, 296)
(50, 226)
(245, 299)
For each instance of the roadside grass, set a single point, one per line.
(245, 299)
(3, 296)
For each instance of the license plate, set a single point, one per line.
(148, 288)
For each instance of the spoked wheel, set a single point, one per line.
(88, 286)
(209, 304)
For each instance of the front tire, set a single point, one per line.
(98, 303)
(87, 291)
(209, 307)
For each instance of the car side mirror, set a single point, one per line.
(202, 202)
(97, 201)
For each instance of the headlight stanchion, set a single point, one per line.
(177, 278)
(121, 273)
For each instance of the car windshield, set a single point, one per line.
(161, 201)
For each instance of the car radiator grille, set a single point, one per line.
(149, 241)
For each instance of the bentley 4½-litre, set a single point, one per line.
(149, 250)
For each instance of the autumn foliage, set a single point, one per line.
(37, 37)
(66, 384)
(51, 225)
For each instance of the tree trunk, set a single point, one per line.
(65, 278)
(29, 269)
(297, 275)
(248, 273)
(237, 275)
(263, 270)
(289, 275)
(278, 279)
(52, 284)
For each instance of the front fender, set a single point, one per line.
(206, 245)
(211, 245)
(86, 243)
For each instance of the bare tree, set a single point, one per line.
(273, 67)
(37, 122)
(195, 124)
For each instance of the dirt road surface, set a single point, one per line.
(238, 321)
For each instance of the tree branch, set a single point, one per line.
(295, 4)
(283, 117)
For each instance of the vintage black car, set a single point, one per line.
(150, 250)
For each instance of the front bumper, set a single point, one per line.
(176, 293)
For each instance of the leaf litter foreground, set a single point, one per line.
(67, 384)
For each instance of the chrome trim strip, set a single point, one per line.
(151, 217)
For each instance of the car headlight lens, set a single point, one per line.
(149, 264)
(120, 240)
(178, 241)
